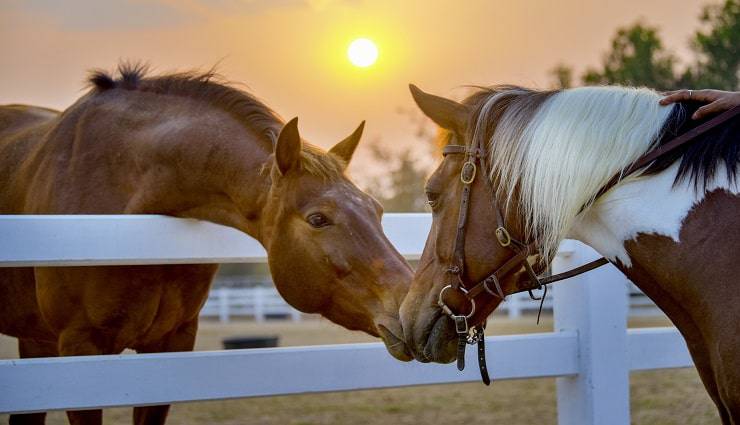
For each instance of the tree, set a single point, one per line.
(637, 58)
(401, 187)
(562, 76)
(718, 49)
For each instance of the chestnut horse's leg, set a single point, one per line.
(183, 339)
(27, 349)
(83, 342)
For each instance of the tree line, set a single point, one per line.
(637, 56)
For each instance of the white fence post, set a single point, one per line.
(258, 297)
(595, 306)
(223, 305)
(514, 306)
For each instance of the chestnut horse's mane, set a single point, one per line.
(211, 88)
(205, 86)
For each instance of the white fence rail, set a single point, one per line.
(590, 353)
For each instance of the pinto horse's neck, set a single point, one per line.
(641, 207)
(680, 247)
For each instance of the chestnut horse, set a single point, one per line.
(672, 228)
(185, 145)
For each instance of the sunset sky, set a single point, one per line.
(292, 53)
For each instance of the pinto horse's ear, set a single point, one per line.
(288, 147)
(446, 113)
(346, 147)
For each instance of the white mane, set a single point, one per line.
(557, 157)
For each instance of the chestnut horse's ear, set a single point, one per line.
(288, 147)
(446, 113)
(346, 147)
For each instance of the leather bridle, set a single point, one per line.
(475, 158)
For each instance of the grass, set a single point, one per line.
(658, 397)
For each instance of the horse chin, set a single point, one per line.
(395, 345)
(441, 346)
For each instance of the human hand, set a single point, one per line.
(717, 100)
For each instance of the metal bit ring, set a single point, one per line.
(446, 309)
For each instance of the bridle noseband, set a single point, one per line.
(475, 159)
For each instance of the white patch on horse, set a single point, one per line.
(643, 205)
(556, 162)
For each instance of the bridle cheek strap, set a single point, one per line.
(491, 284)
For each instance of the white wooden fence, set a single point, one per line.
(590, 353)
(259, 302)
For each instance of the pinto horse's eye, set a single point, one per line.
(318, 220)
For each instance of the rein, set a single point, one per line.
(491, 284)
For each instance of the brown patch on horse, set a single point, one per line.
(694, 281)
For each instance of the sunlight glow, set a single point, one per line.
(362, 52)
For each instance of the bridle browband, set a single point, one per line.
(475, 156)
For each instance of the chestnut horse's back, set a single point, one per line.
(20, 127)
(16, 118)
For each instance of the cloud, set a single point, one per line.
(96, 15)
(259, 6)
(114, 15)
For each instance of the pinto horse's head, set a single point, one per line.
(326, 248)
(429, 333)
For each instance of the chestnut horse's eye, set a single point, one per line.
(318, 220)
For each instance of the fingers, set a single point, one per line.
(706, 110)
(697, 95)
(674, 96)
(717, 100)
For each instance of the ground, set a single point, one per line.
(657, 398)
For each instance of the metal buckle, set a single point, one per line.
(448, 311)
(503, 236)
(468, 169)
(461, 324)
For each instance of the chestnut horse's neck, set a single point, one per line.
(161, 155)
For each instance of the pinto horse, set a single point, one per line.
(185, 145)
(672, 227)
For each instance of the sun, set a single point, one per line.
(362, 52)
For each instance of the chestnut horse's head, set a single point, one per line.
(430, 333)
(326, 248)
